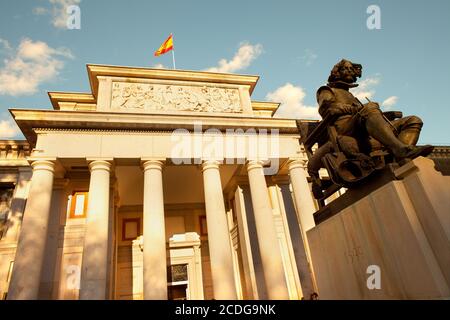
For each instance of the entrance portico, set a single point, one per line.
(152, 156)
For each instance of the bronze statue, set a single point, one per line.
(355, 139)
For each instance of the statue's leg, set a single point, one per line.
(409, 129)
(379, 128)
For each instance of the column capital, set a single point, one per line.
(210, 164)
(255, 164)
(99, 163)
(152, 163)
(297, 163)
(43, 164)
(33, 159)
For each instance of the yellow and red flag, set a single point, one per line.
(165, 47)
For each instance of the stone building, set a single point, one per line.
(158, 184)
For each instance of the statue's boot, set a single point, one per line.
(410, 130)
(414, 151)
(410, 136)
(380, 129)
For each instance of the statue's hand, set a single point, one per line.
(372, 105)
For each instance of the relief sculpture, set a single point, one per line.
(142, 96)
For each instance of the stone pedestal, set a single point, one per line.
(401, 232)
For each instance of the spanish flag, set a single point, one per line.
(165, 47)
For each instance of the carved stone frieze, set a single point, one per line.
(148, 97)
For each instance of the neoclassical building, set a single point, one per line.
(159, 184)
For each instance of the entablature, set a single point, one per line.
(29, 120)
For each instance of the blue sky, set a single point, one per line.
(292, 45)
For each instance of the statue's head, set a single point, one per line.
(345, 71)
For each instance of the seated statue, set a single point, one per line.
(355, 139)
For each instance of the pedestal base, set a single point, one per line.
(402, 230)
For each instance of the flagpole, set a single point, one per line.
(173, 59)
(173, 53)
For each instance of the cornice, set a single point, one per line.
(11, 143)
(14, 152)
(28, 120)
(77, 97)
(95, 70)
(265, 106)
(439, 150)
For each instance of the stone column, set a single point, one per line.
(155, 265)
(95, 252)
(218, 235)
(18, 204)
(304, 207)
(267, 238)
(58, 206)
(302, 195)
(29, 260)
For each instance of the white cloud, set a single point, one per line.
(366, 88)
(33, 63)
(8, 129)
(58, 11)
(241, 60)
(292, 103)
(309, 57)
(390, 102)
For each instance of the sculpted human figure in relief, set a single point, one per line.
(174, 97)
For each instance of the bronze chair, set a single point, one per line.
(347, 160)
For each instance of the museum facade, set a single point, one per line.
(159, 184)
